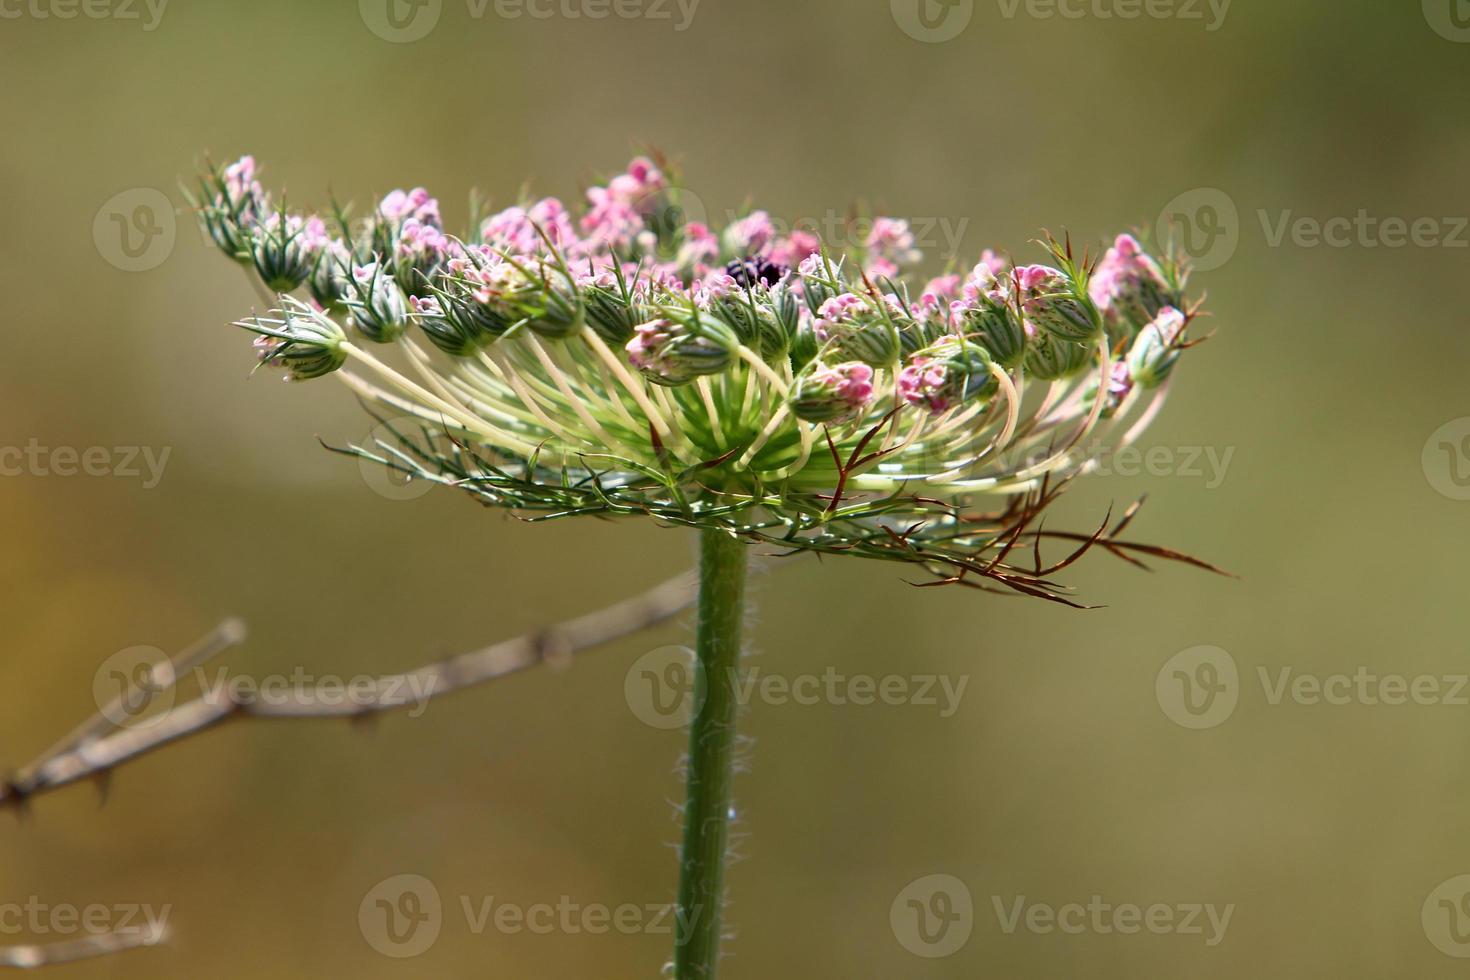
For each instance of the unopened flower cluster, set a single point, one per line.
(624, 358)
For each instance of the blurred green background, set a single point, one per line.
(1060, 777)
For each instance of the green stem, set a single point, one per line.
(722, 566)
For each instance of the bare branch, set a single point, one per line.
(54, 954)
(89, 753)
(161, 677)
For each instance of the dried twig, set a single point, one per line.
(97, 747)
(161, 677)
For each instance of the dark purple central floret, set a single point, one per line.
(749, 271)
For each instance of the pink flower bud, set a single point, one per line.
(833, 394)
(1129, 287)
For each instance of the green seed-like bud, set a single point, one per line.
(996, 327)
(559, 322)
(949, 373)
(755, 321)
(284, 250)
(328, 279)
(1057, 304)
(920, 334)
(804, 348)
(231, 203)
(612, 310)
(876, 342)
(448, 335)
(853, 328)
(304, 341)
(469, 310)
(551, 307)
(820, 281)
(379, 308)
(839, 393)
(1154, 353)
(675, 352)
(765, 318)
(417, 255)
(1050, 358)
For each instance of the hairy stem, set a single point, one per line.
(711, 757)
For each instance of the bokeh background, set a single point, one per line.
(1328, 828)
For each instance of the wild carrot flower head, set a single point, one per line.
(613, 362)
